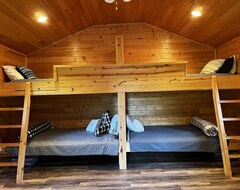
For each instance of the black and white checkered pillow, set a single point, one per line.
(26, 72)
(105, 124)
(38, 128)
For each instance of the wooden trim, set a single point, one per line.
(119, 50)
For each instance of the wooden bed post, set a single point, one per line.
(119, 50)
(23, 136)
(122, 130)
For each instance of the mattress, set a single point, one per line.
(172, 139)
(69, 142)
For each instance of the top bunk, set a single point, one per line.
(152, 77)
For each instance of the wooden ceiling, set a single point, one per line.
(19, 30)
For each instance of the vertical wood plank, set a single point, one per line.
(119, 50)
(23, 137)
(122, 130)
(55, 73)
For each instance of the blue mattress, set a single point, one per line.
(172, 139)
(70, 142)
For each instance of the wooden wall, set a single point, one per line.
(9, 57)
(170, 108)
(230, 48)
(71, 111)
(142, 44)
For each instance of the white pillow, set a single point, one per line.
(212, 66)
(114, 125)
(134, 124)
(12, 73)
(93, 125)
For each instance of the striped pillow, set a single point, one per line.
(38, 128)
(26, 72)
(207, 127)
(212, 66)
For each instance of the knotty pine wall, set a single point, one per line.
(9, 57)
(230, 48)
(142, 44)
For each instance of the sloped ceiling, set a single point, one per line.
(19, 30)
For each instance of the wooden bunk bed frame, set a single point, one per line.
(120, 79)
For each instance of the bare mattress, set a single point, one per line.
(172, 139)
(69, 142)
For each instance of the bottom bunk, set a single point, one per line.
(69, 142)
(171, 139)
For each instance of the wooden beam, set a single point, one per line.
(122, 130)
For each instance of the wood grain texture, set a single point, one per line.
(142, 44)
(9, 57)
(20, 31)
(230, 48)
(140, 175)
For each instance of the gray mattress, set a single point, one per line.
(70, 142)
(172, 139)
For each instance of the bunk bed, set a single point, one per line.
(120, 79)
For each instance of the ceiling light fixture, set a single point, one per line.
(41, 17)
(196, 13)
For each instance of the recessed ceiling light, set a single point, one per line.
(196, 13)
(42, 19)
(109, 1)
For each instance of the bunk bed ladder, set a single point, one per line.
(23, 135)
(226, 156)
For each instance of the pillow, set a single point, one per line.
(234, 67)
(227, 65)
(12, 73)
(38, 128)
(105, 124)
(93, 125)
(26, 72)
(212, 66)
(134, 124)
(207, 127)
(114, 125)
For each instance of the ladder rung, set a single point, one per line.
(10, 126)
(233, 137)
(9, 144)
(229, 101)
(12, 109)
(4, 164)
(234, 155)
(232, 119)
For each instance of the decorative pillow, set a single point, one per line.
(105, 124)
(134, 124)
(26, 72)
(227, 65)
(38, 128)
(12, 73)
(212, 66)
(114, 125)
(93, 125)
(207, 127)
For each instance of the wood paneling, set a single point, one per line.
(9, 57)
(142, 44)
(170, 108)
(73, 111)
(230, 48)
(19, 30)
